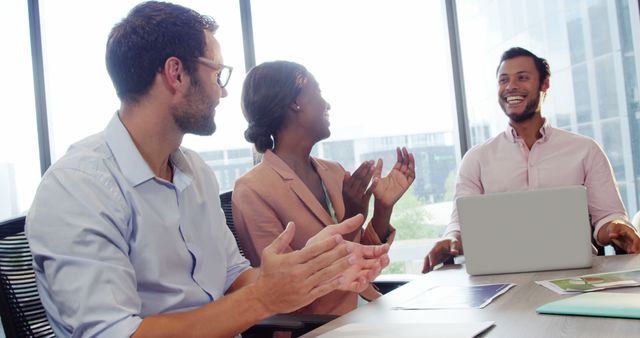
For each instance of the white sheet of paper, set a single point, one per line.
(456, 297)
(409, 330)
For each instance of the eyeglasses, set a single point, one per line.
(224, 71)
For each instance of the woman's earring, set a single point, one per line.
(297, 107)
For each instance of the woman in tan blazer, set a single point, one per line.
(287, 115)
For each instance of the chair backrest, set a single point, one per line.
(225, 203)
(21, 311)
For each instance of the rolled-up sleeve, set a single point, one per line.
(605, 204)
(86, 281)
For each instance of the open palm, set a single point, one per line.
(388, 190)
(368, 260)
(355, 191)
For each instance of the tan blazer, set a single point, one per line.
(270, 195)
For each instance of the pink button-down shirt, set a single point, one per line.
(559, 158)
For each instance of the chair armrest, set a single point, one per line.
(298, 324)
(386, 283)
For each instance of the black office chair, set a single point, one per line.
(21, 311)
(601, 249)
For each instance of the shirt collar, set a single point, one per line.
(182, 172)
(131, 162)
(545, 131)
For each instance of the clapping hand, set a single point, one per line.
(290, 280)
(366, 261)
(355, 193)
(388, 190)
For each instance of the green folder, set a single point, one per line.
(601, 304)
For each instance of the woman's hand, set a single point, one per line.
(388, 190)
(356, 192)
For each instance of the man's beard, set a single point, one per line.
(195, 115)
(529, 112)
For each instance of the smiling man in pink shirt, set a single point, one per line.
(531, 154)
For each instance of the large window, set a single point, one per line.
(226, 152)
(384, 67)
(81, 99)
(592, 49)
(19, 157)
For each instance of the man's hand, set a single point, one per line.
(355, 193)
(388, 190)
(374, 258)
(368, 260)
(441, 251)
(289, 281)
(624, 236)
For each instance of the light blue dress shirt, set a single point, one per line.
(112, 243)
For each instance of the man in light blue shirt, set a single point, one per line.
(126, 229)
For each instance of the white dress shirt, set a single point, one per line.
(112, 243)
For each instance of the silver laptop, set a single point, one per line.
(535, 230)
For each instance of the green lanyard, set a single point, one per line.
(327, 200)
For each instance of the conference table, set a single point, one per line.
(513, 312)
